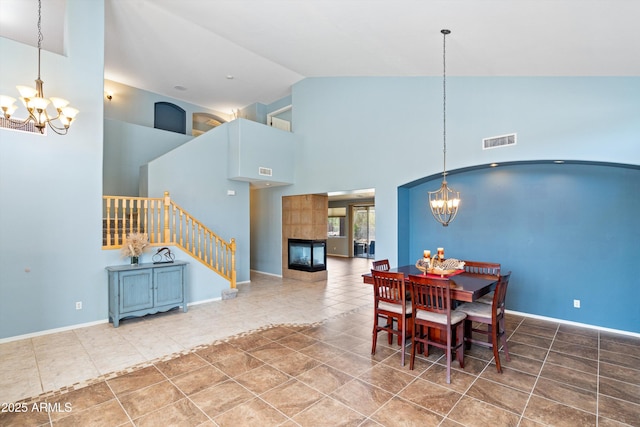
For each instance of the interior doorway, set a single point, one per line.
(364, 230)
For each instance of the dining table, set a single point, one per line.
(466, 287)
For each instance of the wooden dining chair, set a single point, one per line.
(431, 303)
(483, 269)
(381, 265)
(392, 310)
(488, 320)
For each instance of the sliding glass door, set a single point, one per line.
(364, 231)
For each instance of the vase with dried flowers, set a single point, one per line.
(134, 245)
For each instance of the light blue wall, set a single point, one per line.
(51, 186)
(354, 133)
(136, 106)
(385, 132)
(129, 146)
(253, 146)
(130, 140)
(195, 174)
(568, 231)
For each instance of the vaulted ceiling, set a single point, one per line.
(227, 54)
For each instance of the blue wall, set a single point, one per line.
(567, 231)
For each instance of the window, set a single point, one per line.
(170, 117)
(336, 222)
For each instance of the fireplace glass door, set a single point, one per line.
(307, 255)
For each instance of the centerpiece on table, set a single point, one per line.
(134, 245)
(438, 264)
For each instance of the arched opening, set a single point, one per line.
(204, 122)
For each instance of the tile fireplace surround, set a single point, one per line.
(303, 217)
(249, 361)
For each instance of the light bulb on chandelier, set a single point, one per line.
(36, 104)
(445, 201)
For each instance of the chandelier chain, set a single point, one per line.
(40, 38)
(40, 25)
(444, 103)
(445, 201)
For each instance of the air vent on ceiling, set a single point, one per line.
(265, 171)
(499, 141)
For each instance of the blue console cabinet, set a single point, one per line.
(137, 290)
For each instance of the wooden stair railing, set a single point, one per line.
(167, 224)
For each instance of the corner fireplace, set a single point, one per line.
(307, 255)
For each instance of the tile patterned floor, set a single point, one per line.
(249, 362)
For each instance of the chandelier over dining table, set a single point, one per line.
(445, 201)
(36, 103)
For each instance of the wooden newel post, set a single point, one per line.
(166, 230)
(233, 263)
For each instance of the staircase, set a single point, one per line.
(167, 224)
(114, 228)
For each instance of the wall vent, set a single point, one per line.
(499, 141)
(265, 171)
(28, 128)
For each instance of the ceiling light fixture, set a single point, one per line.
(445, 201)
(36, 103)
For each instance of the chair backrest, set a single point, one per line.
(431, 294)
(389, 287)
(483, 268)
(500, 293)
(381, 265)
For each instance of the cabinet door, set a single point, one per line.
(168, 285)
(136, 292)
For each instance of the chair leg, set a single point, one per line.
(403, 335)
(460, 345)
(423, 345)
(448, 353)
(375, 334)
(503, 336)
(495, 344)
(467, 334)
(413, 347)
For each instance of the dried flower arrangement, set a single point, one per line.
(134, 245)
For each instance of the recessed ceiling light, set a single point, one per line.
(179, 87)
(558, 161)
(493, 165)
(229, 77)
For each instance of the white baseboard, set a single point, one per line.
(568, 322)
(204, 301)
(267, 274)
(52, 331)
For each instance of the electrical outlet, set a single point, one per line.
(79, 305)
(576, 303)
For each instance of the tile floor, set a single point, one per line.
(250, 362)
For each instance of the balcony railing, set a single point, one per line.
(167, 224)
